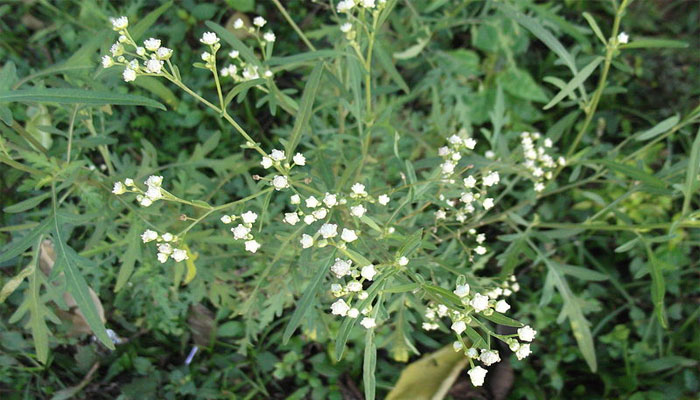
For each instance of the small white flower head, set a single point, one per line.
(116, 50)
(119, 188)
(238, 24)
(312, 202)
(154, 180)
(277, 155)
(489, 357)
(368, 322)
(144, 201)
(472, 353)
(140, 51)
(479, 302)
(358, 211)
(165, 248)
(346, 27)
(341, 267)
(107, 61)
(345, 6)
(358, 189)
(267, 73)
(252, 246)
(259, 21)
(149, 236)
(330, 200)
(447, 167)
(250, 72)
(455, 140)
(502, 306)
(353, 313)
(469, 182)
(154, 66)
(561, 161)
(477, 375)
(523, 351)
(462, 290)
(403, 261)
(368, 272)
(526, 333)
(162, 257)
(120, 23)
(129, 182)
(291, 218)
(490, 154)
(295, 199)
(348, 235)
(249, 217)
(226, 219)
(457, 346)
(206, 56)
(209, 38)
(269, 37)
(459, 327)
(280, 182)
(129, 75)
(167, 237)
(340, 307)
(367, 3)
(240, 232)
(320, 213)
(363, 295)
(480, 250)
(354, 286)
(623, 38)
(164, 53)
(179, 255)
(309, 219)
(154, 193)
(328, 231)
(440, 214)
(488, 203)
(383, 199)
(480, 238)
(492, 179)
(266, 162)
(513, 345)
(151, 44)
(470, 143)
(306, 241)
(539, 186)
(299, 159)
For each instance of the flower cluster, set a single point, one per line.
(146, 59)
(540, 164)
(277, 159)
(240, 70)
(153, 192)
(165, 244)
(243, 231)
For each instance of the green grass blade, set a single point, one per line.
(577, 80)
(656, 130)
(634, 173)
(17, 247)
(691, 178)
(369, 365)
(305, 109)
(595, 27)
(654, 43)
(76, 96)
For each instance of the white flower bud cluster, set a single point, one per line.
(165, 245)
(248, 71)
(540, 164)
(351, 287)
(243, 231)
(153, 192)
(151, 53)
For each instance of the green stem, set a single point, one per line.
(294, 25)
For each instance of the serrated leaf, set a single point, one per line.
(76, 96)
(17, 247)
(25, 205)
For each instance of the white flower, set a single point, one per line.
(459, 327)
(340, 308)
(462, 290)
(277, 155)
(354, 286)
(341, 267)
(312, 202)
(539, 186)
(523, 351)
(367, 3)
(623, 38)
(488, 203)
(119, 188)
(472, 353)
(363, 295)
(502, 306)
(491, 179)
(209, 38)
(383, 199)
(440, 214)
(266, 162)
(359, 189)
(295, 199)
(154, 66)
(320, 213)
(238, 23)
(470, 143)
(249, 217)
(328, 230)
(280, 182)
(120, 23)
(233, 53)
(448, 167)
(358, 211)
(480, 238)
(345, 5)
(477, 375)
(154, 180)
(252, 246)
(348, 235)
(469, 182)
(167, 237)
(162, 257)
(291, 218)
(368, 272)
(403, 261)
(250, 72)
(480, 250)
(479, 302)
(306, 241)
(561, 161)
(346, 27)
(259, 21)
(116, 50)
(129, 75)
(443, 151)
(269, 36)
(489, 154)
(353, 313)
(428, 326)
(144, 201)
(309, 219)
(454, 139)
(149, 236)
(526, 333)
(368, 322)
(151, 44)
(240, 232)
(299, 159)
(457, 346)
(164, 53)
(129, 182)
(179, 255)
(107, 61)
(153, 193)
(489, 357)
(330, 200)
(206, 56)
(165, 248)
(226, 219)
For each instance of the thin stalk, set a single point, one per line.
(70, 132)
(294, 26)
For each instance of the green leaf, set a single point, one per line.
(305, 109)
(412, 51)
(128, 259)
(658, 288)
(476, 339)
(146, 22)
(661, 127)
(369, 365)
(577, 80)
(17, 247)
(25, 205)
(582, 273)
(502, 320)
(654, 43)
(11, 285)
(304, 57)
(76, 96)
(307, 299)
(632, 172)
(388, 65)
(411, 244)
(157, 87)
(691, 177)
(37, 312)
(595, 27)
(519, 83)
